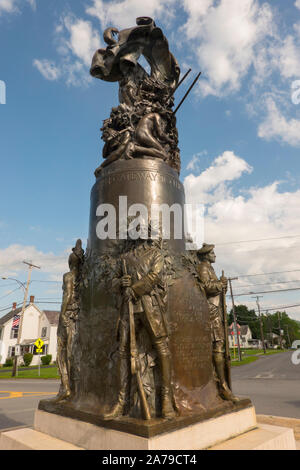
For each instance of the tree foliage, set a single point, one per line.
(270, 322)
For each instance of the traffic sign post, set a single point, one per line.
(39, 348)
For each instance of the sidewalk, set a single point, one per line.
(283, 422)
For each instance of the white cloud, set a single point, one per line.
(11, 260)
(227, 167)
(276, 126)
(8, 6)
(47, 68)
(286, 56)
(76, 43)
(257, 213)
(12, 6)
(82, 40)
(123, 13)
(297, 4)
(32, 3)
(193, 163)
(225, 37)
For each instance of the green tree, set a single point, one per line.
(248, 317)
(290, 327)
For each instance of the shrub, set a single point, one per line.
(9, 362)
(46, 359)
(27, 358)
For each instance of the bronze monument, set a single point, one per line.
(148, 352)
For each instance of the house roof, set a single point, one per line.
(52, 316)
(26, 342)
(242, 328)
(9, 315)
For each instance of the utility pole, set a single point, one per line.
(234, 316)
(260, 322)
(288, 335)
(31, 266)
(280, 336)
(270, 327)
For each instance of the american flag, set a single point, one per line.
(16, 321)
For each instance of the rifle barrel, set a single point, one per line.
(185, 96)
(135, 369)
(180, 82)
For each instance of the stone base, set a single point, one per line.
(232, 431)
(138, 427)
(292, 423)
(196, 436)
(29, 439)
(265, 437)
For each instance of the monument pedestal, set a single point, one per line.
(236, 430)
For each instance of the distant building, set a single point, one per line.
(36, 324)
(245, 336)
(273, 340)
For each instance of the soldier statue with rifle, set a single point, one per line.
(215, 290)
(139, 279)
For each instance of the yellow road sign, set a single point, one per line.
(38, 350)
(39, 343)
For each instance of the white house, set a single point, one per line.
(245, 336)
(36, 324)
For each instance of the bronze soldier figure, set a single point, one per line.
(142, 285)
(213, 289)
(67, 321)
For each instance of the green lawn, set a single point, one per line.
(251, 355)
(47, 373)
(246, 360)
(256, 352)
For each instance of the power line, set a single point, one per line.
(268, 274)
(56, 282)
(280, 307)
(266, 292)
(268, 283)
(9, 293)
(257, 240)
(46, 298)
(10, 307)
(4, 286)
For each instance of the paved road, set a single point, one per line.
(272, 383)
(19, 400)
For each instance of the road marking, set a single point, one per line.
(27, 410)
(13, 394)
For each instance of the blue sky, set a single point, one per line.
(239, 130)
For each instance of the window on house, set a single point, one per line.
(44, 332)
(14, 333)
(11, 351)
(25, 349)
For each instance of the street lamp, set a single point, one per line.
(21, 284)
(31, 266)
